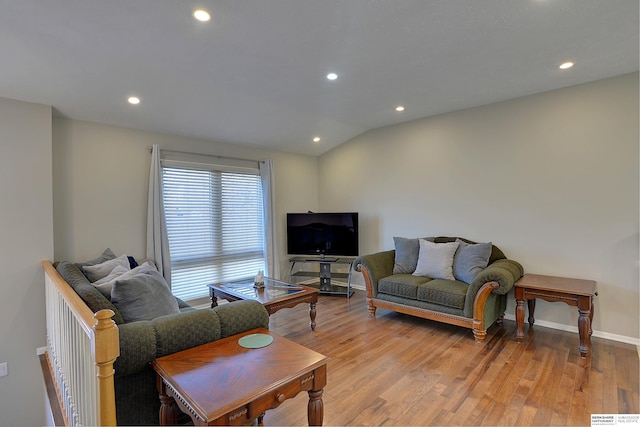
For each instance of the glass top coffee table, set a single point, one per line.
(275, 295)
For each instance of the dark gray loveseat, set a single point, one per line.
(475, 304)
(137, 401)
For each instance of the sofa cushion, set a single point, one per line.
(420, 304)
(450, 293)
(401, 285)
(470, 259)
(435, 260)
(144, 296)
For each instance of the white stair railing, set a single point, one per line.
(81, 349)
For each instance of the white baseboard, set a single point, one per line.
(568, 328)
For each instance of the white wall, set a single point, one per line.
(26, 239)
(551, 179)
(101, 176)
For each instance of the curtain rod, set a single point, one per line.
(208, 155)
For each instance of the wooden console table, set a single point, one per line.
(223, 383)
(575, 292)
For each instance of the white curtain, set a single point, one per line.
(268, 198)
(157, 241)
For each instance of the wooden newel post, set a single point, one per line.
(106, 347)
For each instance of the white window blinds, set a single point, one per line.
(214, 226)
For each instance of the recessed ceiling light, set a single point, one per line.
(134, 100)
(566, 65)
(316, 139)
(201, 15)
(399, 108)
(332, 76)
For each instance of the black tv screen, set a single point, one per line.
(322, 233)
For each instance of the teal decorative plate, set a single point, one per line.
(255, 340)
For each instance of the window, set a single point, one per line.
(215, 226)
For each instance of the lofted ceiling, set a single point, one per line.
(255, 74)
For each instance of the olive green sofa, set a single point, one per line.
(476, 304)
(142, 341)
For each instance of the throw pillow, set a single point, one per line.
(470, 259)
(107, 254)
(98, 271)
(435, 260)
(105, 284)
(144, 296)
(406, 257)
(132, 262)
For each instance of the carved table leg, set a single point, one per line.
(312, 315)
(584, 326)
(585, 317)
(519, 319)
(591, 319)
(168, 407)
(532, 308)
(315, 408)
(585, 311)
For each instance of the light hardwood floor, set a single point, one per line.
(400, 370)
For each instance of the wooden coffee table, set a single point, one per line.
(223, 383)
(275, 295)
(575, 292)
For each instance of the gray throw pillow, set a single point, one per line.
(144, 296)
(107, 254)
(105, 284)
(470, 259)
(100, 271)
(406, 257)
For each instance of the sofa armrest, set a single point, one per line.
(143, 341)
(180, 331)
(240, 316)
(137, 347)
(375, 267)
(177, 332)
(504, 271)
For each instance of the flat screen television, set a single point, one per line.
(322, 234)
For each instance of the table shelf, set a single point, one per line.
(325, 275)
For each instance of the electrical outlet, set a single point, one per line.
(4, 370)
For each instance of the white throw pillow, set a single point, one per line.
(99, 271)
(435, 260)
(114, 273)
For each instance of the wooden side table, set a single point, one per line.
(575, 292)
